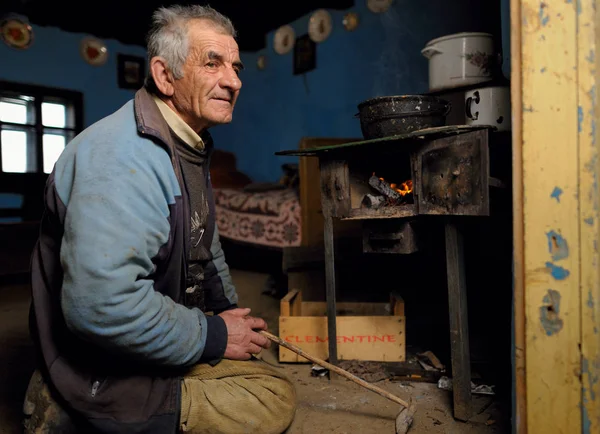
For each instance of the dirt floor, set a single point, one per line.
(325, 406)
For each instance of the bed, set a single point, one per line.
(269, 218)
(286, 213)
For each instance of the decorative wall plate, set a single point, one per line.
(319, 25)
(93, 51)
(379, 6)
(16, 33)
(350, 21)
(284, 39)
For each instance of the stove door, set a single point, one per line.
(452, 175)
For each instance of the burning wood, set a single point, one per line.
(392, 194)
(372, 201)
(384, 188)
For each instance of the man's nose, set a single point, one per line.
(231, 80)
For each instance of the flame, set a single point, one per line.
(404, 188)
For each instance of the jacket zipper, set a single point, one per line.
(95, 386)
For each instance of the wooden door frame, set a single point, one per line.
(554, 73)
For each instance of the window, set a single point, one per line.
(36, 123)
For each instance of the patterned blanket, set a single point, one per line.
(269, 218)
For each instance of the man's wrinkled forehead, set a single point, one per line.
(207, 39)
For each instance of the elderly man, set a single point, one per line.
(129, 261)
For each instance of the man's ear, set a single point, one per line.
(161, 75)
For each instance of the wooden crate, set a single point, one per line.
(365, 331)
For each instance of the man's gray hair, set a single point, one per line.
(168, 37)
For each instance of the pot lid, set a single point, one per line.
(459, 35)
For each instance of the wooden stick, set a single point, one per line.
(335, 369)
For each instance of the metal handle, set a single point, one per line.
(448, 108)
(468, 103)
(430, 51)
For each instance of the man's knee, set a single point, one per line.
(285, 400)
(262, 401)
(42, 414)
(273, 407)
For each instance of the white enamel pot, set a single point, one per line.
(460, 59)
(488, 106)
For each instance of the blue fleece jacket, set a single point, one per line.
(117, 187)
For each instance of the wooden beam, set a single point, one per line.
(556, 246)
(520, 390)
(588, 66)
(459, 322)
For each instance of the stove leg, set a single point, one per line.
(459, 326)
(330, 288)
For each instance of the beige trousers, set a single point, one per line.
(236, 397)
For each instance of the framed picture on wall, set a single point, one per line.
(305, 55)
(131, 71)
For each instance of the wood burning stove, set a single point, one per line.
(439, 171)
(392, 184)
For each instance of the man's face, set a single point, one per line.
(207, 93)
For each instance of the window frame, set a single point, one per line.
(30, 185)
(73, 100)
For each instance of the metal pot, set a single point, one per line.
(392, 115)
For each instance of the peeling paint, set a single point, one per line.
(592, 378)
(579, 118)
(558, 272)
(590, 300)
(557, 246)
(587, 423)
(528, 109)
(589, 221)
(543, 18)
(556, 193)
(549, 313)
(593, 130)
(591, 57)
(590, 167)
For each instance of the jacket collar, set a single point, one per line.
(178, 125)
(151, 122)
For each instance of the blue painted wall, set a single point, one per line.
(53, 60)
(381, 57)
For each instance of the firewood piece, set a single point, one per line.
(384, 188)
(372, 201)
(431, 358)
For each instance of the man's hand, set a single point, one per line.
(242, 339)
